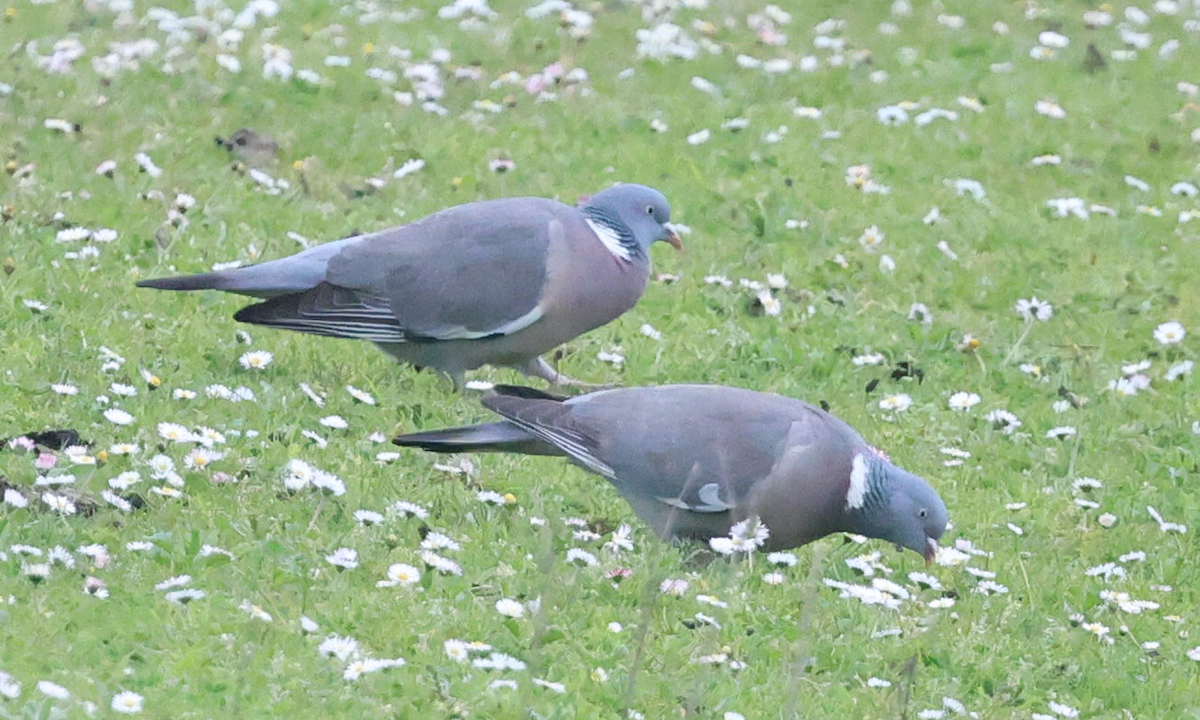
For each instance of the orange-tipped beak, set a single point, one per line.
(930, 552)
(673, 238)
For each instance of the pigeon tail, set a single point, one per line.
(202, 281)
(486, 437)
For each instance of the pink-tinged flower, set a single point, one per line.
(45, 461)
(618, 574)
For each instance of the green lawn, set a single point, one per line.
(374, 84)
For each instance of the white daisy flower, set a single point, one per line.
(117, 416)
(1170, 333)
(963, 400)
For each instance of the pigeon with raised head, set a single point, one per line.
(693, 460)
(496, 282)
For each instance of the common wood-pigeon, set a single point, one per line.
(496, 282)
(693, 460)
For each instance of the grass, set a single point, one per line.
(806, 651)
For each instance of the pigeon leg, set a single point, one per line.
(538, 367)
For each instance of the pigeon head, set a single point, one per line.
(891, 504)
(629, 218)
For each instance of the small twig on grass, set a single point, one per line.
(1016, 346)
(312, 524)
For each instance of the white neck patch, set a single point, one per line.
(856, 495)
(611, 240)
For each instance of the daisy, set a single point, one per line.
(438, 541)
(620, 539)
(15, 499)
(510, 608)
(54, 690)
(172, 581)
(209, 437)
(1003, 420)
(1034, 309)
(185, 596)
(400, 574)
(335, 422)
(581, 557)
(963, 400)
(769, 303)
(1050, 109)
(442, 564)
(127, 703)
(490, 497)
(58, 503)
(122, 389)
(556, 687)
(117, 416)
(892, 115)
(329, 482)
(407, 509)
(1170, 333)
(871, 238)
(256, 612)
(457, 650)
(896, 403)
(64, 389)
(360, 395)
(210, 550)
(368, 517)
(125, 480)
(342, 648)
(499, 661)
(175, 432)
(782, 559)
(345, 558)
(1178, 370)
(116, 501)
(200, 458)
(1061, 432)
(919, 312)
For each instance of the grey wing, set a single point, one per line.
(468, 272)
(551, 421)
(331, 311)
(699, 448)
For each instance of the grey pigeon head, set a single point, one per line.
(638, 215)
(892, 504)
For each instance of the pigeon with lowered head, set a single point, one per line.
(693, 460)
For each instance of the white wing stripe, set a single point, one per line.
(508, 328)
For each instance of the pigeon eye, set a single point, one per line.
(649, 209)
(922, 512)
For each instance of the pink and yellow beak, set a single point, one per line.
(671, 237)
